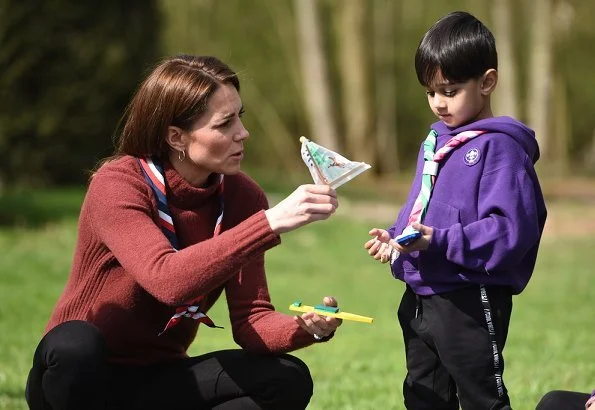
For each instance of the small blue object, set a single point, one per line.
(297, 303)
(408, 238)
(326, 308)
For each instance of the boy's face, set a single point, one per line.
(458, 104)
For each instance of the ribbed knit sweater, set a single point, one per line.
(127, 279)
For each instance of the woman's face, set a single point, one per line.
(216, 142)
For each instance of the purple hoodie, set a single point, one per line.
(487, 211)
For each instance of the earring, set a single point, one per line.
(182, 155)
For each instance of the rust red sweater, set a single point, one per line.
(127, 279)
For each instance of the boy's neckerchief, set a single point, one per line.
(431, 164)
(432, 160)
(155, 177)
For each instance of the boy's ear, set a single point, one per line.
(489, 81)
(175, 138)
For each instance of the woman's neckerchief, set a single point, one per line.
(155, 177)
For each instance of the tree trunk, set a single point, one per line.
(354, 75)
(506, 96)
(540, 75)
(385, 85)
(561, 143)
(317, 95)
(559, 112)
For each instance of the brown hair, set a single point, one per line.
(176, 93)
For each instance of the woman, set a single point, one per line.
(167, 224)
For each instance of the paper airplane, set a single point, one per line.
(328, 167)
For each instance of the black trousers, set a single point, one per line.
(70, 371)
(453, 347)
(563, 400)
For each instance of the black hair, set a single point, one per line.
(460, 46)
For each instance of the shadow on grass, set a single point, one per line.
(32, 208)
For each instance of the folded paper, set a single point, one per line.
(328, 167)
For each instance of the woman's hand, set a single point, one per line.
(590, 403)
(379, 246)
(319, 326)
(308, 203)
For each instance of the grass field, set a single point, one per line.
(550, 342)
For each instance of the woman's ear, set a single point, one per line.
(175, 138)
(489, 81)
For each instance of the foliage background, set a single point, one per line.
(67, 70)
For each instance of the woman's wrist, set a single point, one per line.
(269, 213)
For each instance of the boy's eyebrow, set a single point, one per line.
(443, 84)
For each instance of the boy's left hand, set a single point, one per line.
(421, 244)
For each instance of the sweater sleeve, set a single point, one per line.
(509, 220)
(121, 210)
(255, 324)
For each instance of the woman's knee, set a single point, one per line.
(75, 344)
(299, 382)
(68, 366)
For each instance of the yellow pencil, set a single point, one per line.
(324, 310)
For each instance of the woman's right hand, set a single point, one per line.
(308, 203)
(379, 246)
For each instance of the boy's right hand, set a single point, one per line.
(378, 247)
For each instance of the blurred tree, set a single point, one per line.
(385, 84)
(316, 92)
(561, 128)
(355, 65)
(506, 95)
(67, 70)
(540, 74)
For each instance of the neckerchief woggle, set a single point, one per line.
(155, 177)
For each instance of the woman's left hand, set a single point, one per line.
(321, 326)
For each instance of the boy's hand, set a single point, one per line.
(421, 244)
(378, 247)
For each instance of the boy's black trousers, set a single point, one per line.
(453, 346)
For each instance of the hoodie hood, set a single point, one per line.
(522, 134)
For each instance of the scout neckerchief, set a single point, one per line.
(153, 172)
(432, 160)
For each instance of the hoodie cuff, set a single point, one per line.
(439, 241)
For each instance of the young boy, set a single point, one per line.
(477, 203)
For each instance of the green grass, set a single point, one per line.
(549, 346)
